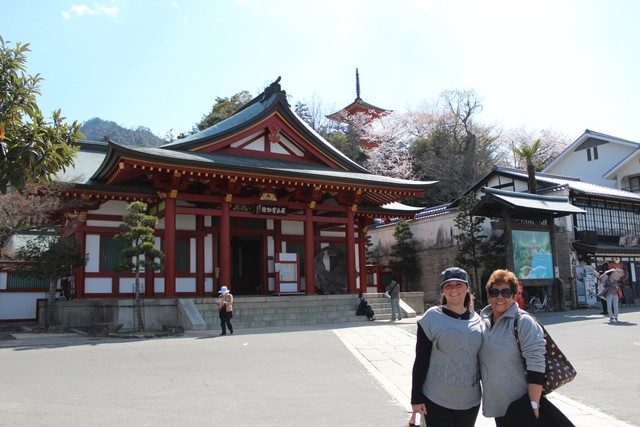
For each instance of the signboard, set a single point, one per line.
(270, 210)
(586, 279)
(532, 257)
(286, 268)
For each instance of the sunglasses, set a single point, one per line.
(505, 293)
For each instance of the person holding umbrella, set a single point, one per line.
(611, 286)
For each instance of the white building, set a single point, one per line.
(600, 159)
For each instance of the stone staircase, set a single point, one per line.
(293, 310)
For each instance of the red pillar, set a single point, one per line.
(199, 255)
(351, 256)
(310, 273)
(170, 247)
(362, 257)
(225, 245)
(78, 276)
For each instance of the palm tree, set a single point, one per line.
(527, 152)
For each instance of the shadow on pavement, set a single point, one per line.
(551, 318)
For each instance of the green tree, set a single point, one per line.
(403, 253)
(140, 253)
(450, 146)
(50, 257)
(223, 108)
(31, 148)
(468, 239)
(527, 152)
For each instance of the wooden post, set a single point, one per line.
(78, 276)
(199, 255)
(225, 245)
(508, 243)
(309, 267)
(170, 247)
(351, 258)
(362, 257)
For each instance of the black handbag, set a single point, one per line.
(559, 370)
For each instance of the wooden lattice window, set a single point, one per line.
(111, 252)
(15, 281)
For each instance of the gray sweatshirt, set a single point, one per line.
(501, 367)
(452, 379)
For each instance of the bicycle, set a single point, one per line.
(536, 305)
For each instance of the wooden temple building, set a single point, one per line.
(259, 202)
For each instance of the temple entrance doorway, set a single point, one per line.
(246, 259)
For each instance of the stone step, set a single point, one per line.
(269, 311)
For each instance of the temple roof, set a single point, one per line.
(522, 205)
(272, 100)
(358, 106)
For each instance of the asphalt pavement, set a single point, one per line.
(349, 374)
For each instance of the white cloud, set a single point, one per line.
(82, 10)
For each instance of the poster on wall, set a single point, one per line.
(590, 280)
(532, 257)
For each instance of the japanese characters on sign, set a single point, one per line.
(270, 210)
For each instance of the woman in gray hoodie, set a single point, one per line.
(505, 378)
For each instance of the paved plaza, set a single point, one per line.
(351, 374)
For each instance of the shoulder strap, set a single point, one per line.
(515, 332)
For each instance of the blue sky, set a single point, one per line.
(561, 65)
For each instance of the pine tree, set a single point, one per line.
(140, 254)
(403, 251)
(468, 239)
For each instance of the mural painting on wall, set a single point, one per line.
(532, 254)
(331, 270)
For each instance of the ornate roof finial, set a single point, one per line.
(358, 86)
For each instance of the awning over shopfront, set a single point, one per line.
(522, 205)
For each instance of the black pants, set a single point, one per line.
(439, 416)
(225, 320)
(604, 306)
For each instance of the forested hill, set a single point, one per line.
(100, 130)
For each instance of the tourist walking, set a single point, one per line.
(611, 292)
(445, 382)
(393, 291)
(225, 310)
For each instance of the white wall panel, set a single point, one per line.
(208, 284)
(126, 284)
(92, 242)
(185, 284)
(208, 253)
(332, 233)
(112, 207)
(158, 285)
(100, 223)
(270, 246)
(295, 228)
(185, 222)
(19, 305)
(97, 285)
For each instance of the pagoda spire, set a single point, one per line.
(358, 86)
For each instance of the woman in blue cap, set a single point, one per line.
(445, 381)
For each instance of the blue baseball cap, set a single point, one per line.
(453, 273)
